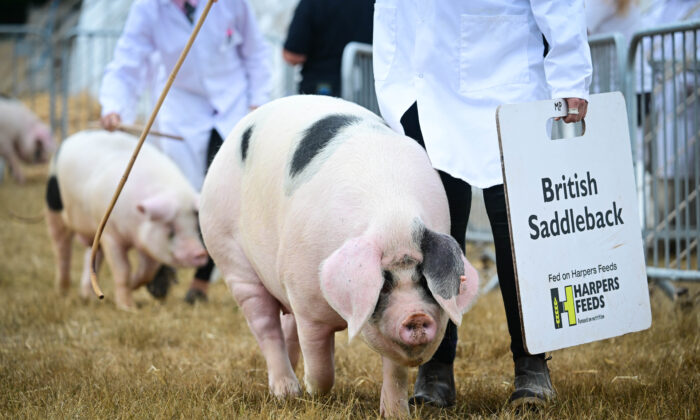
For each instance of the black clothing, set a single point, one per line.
(320, 30)
(215, 142)
(459, 197)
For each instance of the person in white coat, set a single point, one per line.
(226, 74)
(441, 69)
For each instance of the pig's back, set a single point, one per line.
(89, 165)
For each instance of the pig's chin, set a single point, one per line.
(398, 352)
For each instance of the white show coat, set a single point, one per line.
(225, 73)
(461, 59)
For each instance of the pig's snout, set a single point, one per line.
(418, 329)
(193, 256)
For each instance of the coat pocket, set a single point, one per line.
(492, 51)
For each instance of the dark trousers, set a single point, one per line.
(459, 197)
(215, 142)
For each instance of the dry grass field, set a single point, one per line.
(61, 357)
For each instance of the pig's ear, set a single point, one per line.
(158, 207)
(351, 279)
(451, 279)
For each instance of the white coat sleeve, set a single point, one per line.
(567, 66)
(122, 82)
(255, 56)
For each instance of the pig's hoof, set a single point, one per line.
(195, 295)
(127, 307)
(285, 387)
(398, 410)
(159, 286)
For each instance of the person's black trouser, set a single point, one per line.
(459, 197)
(215, 142)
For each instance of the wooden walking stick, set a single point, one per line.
(147, 127)
(135, 130)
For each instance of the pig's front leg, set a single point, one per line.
(116, 255)
(146, 270)
(394, 400)
(317, 341)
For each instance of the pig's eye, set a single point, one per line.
(388, 282)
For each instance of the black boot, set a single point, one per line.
(435, 385)
(159, 286)
(533, 385)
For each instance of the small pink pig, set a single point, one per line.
(156, 212)
(315, 209)
(23, 137)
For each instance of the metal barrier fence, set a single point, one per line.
(669, 153)
(84, 54)
(357, 77)
(27, 68)
(608, 55)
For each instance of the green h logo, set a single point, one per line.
(566, 306)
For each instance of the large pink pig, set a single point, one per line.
(156, 212)
(314, 208)
(23, 137)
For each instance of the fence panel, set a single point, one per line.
(356, 76)
(668, 117)
(26, 68)
(84, 53)
(608, 55)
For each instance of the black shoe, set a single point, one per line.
(160, 284)
(194, 295)
(435, 385)
(533, 386)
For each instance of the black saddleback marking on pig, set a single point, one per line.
(53, 195)
(245, 141)
(442, 263)
(316, 138)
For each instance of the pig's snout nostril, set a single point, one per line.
(418, 329)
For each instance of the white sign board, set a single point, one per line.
(577, 241)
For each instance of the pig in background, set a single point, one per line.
(23, 137)
(156, 212)
(315, 209)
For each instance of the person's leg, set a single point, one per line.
(532, 382)
(200, 282)
(435, 380)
